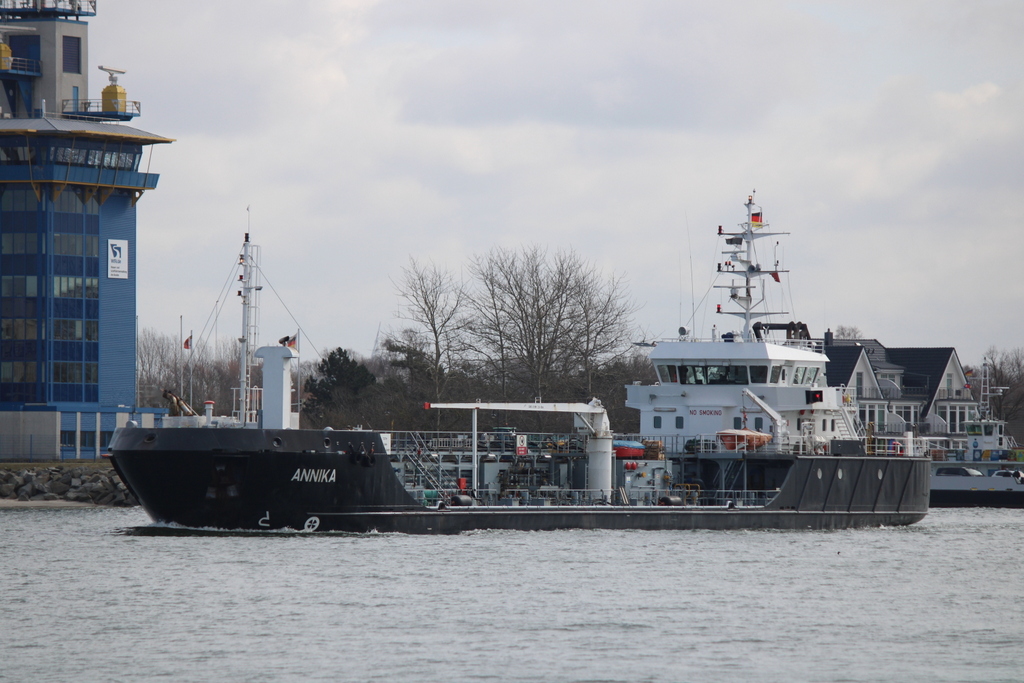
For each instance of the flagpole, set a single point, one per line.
(181, 343)
(191, 369)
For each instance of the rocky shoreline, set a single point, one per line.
(76, 484)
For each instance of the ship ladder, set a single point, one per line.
(441, 481)
(847, 426)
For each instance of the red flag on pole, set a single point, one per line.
(188, 343)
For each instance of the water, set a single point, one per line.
(81, 599)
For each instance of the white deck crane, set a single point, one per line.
(589, 417)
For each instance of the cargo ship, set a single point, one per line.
(746, 435)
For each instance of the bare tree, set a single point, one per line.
(601, 322)
(435, 300)
(544, 323)
(848, 332)
(523, 314)
(157, 366)
(1006, 371)
(206, 372)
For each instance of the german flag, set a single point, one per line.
(755, 218)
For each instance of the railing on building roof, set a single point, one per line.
(99, 109)
(79, 8)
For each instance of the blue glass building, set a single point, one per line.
(70, 178)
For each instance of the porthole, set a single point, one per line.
(839, 473)
(150, 438)
(276, 441)
(879, 474)
(327, 443)
(819, 473)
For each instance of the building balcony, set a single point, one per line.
(79, 175)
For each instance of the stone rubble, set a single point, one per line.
(100, 486)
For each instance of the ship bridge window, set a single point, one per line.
(713, 374)
(692, 374)
(668, 374)
(805, 375)
(776, 372)
(758, 374)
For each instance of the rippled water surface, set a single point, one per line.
(85, 598)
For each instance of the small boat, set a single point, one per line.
(628, 449)
(743, 439)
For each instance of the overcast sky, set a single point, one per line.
(886, 137)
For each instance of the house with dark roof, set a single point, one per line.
(903, 389)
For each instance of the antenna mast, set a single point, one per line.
(740, 259)
(247, 402)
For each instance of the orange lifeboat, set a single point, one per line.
(743, 439)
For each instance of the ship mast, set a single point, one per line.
(246, 399)
(741, 259)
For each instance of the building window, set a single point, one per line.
(67, 330)
(88, 439)
(17, 200)
(72, 287)
(18, 243)
(72, 54)
(105, 438)
(679, 421)
(67, 438)
(18, 371)
(92, 373)
(18, 328)
(18, 285)
(68, 202)
(67, 245)
(92, 330)
(67, 373)
(657, 421)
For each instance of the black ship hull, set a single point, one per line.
(252, 479)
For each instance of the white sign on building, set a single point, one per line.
(117, 259)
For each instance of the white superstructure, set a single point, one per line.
(745, 379)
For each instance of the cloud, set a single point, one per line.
(886, 138)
